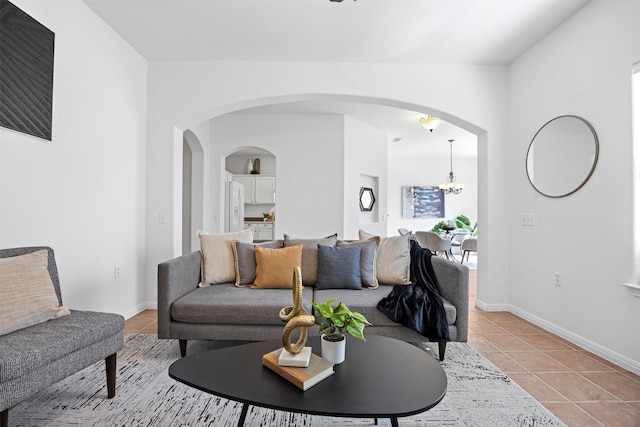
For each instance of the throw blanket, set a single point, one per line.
(418, 305)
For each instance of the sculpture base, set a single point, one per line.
(300, 360)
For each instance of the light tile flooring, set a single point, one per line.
(578, 387)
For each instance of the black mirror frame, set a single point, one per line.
(368, 207)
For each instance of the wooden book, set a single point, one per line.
(303, 378)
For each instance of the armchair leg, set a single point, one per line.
(183, 347)
(110, 363)
(4, 418)
(442, 347)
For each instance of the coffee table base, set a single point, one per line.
(245, 409)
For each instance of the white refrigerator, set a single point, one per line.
(234, 212)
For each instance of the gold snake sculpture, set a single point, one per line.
(296, 317)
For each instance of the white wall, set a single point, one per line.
(309, 153)
(583, 68)
(431, 172)
(83, 193)
(365, 164)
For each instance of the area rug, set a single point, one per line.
(478, 394)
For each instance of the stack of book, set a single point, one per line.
(302, 377)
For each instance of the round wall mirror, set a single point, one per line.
(562, 156)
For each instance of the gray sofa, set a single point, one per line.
(226, 312)
(35, 357)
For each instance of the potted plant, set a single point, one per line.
(338, 319)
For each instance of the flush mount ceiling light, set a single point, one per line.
(430, 122)
(451, 186)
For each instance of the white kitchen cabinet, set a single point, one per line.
(258, 189)
(261, 231)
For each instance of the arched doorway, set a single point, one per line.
(481, 135)
(192, 190)
(255, 169)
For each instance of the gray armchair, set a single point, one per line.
(35, 357)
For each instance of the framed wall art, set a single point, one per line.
(422, 202)
(26, 72)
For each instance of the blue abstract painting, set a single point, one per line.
(422, 202)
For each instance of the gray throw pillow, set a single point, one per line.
(368, 256)
(245, 260)
(339, 267)
(310, 255)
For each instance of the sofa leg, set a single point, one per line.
(110, 363)
(4, 418)
(442, 347)
(183, 347)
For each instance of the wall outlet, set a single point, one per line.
(116, 271)
(556, 278)
(527, 220)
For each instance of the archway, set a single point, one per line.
(192, 190)
(263, 169)
(482, 137)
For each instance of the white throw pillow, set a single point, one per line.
(217, 256)
(27, 295)
(393, 262)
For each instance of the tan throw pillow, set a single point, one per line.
(27, 295)
(393, 262)
(245, 260)
(309, 266)
(218, 265)
(275, 267)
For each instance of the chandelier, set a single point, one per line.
(451, 186)
(430, 122)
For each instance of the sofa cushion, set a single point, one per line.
(244, 256)
(366, 302)
(27, 295)
(310, 255)
(217, 256)
(228, 304)
(339, 267)
(393, 261)
(368, 257)
(26, 350)
(275, 267)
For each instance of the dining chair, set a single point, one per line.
(432, 241)
(459, 237)
(403, 231)
(468, 245)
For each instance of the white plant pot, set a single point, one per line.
(333, 351)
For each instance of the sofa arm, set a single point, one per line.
(453, 285)
(176, 277)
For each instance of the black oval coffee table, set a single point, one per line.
(380, 378)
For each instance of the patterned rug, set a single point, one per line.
(478, 395)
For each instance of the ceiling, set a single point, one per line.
(371, 31)
(408, 31)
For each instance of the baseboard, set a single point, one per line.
(491, 307)
(148, 305)
(595, 348)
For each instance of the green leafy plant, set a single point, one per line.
(461, 221)
(338, 319)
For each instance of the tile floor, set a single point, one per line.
(580, 388)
